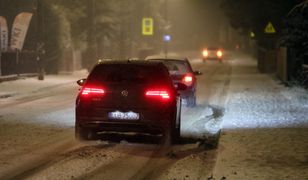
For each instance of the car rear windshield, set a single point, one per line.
(128, 73)
(175, 66)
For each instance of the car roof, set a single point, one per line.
(136, 62)
(183, 61)
(167, 59)
(213, 48)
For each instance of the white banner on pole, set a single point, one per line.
(4, 38)
(19, 30)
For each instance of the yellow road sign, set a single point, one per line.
(269, 29)
(147, 26)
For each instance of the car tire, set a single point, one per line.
(172, 133)
(83, 134)
(176, 133)
(191, 101)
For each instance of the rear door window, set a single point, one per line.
(175, 67)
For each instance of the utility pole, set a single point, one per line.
(40, 51)
(165, 28)
(0, 45)
(0, 61)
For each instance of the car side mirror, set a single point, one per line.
(197, 73)
(180, 86)
(81, 82)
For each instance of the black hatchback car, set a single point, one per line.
(125, 97)
(181, 72)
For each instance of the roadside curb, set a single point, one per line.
(8, 78)
(15, 77)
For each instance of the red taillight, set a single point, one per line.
(161, 94)
(92, 91)
(188, 79)
(205, 53)
(219, 53)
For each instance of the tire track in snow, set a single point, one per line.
(208, 124)
(38, 156)
(35, 95)
(136, 163)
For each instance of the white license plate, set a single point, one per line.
(123, 115)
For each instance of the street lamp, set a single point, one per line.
(167, 39)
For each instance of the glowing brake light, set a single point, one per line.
(188, 80)
(219, 53)
(92, 91)
(205, 53)
(162, 94)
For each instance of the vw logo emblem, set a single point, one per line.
(124, 93)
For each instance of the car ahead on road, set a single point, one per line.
(181, 72)
(214, 53)
(131, 96)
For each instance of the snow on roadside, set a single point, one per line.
(26, 86)
(256, 101)
(265, 125)
(258, 154)
(193, 120)
(27, 95)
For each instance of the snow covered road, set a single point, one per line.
(264, 132)
(37, 137)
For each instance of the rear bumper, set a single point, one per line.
(151, 120)
(122, 126)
